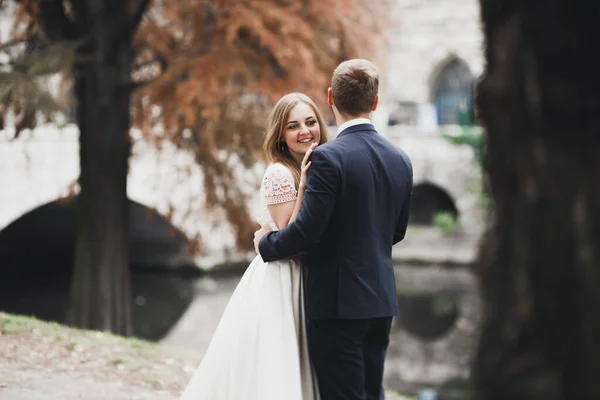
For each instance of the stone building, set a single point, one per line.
(432, 59)
(434, 56)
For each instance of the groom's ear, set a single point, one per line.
(375, 103)
(330, 96)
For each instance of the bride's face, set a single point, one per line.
(301, 130)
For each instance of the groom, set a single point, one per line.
(355, 208)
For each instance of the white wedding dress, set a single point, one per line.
(259, 349)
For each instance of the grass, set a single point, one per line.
(44, 345)
(17, 323)
(47, 345)
(445, 222)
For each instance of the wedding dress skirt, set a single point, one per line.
(259, 349)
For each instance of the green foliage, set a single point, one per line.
(23, 87)
(10, 323)
(472, 136)
(483, 198)
(445, 221)
(444, 304)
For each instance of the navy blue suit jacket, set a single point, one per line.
(355, 207)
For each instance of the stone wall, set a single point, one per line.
(39, 167)
(423, 36)
(35, 171)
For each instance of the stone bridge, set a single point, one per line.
(40, 168)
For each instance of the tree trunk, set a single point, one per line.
(100, 289)
(539, 267)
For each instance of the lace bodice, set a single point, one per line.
(277, 187)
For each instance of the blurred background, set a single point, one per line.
(199, 85)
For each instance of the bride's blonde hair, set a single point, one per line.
(275, 148)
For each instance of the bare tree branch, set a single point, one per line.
(11, 43)
(81, 14)
(133, 86)
(57, 25)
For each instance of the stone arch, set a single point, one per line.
(428, 199)
(428, 316)
(439, 313)
(37, 250)
(451, 91)
(46, 233)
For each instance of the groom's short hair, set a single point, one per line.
(354, 87)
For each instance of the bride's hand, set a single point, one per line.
(304, 167)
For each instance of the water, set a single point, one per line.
(431, 342)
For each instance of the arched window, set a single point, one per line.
(453, 94)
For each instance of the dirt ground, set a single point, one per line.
(41, 361)
(20, 383)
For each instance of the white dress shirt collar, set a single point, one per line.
(353, 122)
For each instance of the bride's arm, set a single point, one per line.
(284, 214)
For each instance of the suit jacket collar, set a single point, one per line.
(358, 128)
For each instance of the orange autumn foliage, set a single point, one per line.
(207, 72)
(221, 66)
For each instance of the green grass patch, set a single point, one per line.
(445, 222)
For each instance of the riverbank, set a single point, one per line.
(430, 246)
(48, 361)
(41, 360)
(423, 245)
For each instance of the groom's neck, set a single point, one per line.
(341, 119)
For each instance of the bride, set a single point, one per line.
(259, 349)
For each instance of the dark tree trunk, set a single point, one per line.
(100, 290)
(539, 266)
